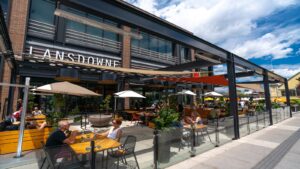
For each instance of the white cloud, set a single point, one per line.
(147, 5)
(277, 44)
(228, 23)
(215, 20)
(285, 70)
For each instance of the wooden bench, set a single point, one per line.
(32, 140)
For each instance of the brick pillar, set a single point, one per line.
(17, 25)
(5, 90)
(16, 94)
(17, 32)
(126, 59)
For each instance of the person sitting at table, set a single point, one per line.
(60, 136)
(115, 132)
(36, 112)
(194, 117)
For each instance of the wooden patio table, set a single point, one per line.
(101, 144)
(199, 127)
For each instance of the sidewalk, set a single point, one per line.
(277, 146)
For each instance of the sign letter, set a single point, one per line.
(47, 54)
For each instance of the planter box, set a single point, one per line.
(32, 140)
(100, 120)
(151, 125)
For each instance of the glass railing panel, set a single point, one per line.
(144, 145)
(287, 110)
(243, 125)
(253, 121)
(261, 117)
(225, 132)
(174, 146)
(275, 116)
(205, 137)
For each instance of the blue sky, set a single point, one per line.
(267, 32)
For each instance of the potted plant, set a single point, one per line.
(54, 117)
(105, 106)
(99, 119)
(166, 123)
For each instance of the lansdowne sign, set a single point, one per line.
(74, 57)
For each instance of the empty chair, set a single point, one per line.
(62, 156)
(125, 150)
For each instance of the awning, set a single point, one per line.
(214, 80)
(128, 70)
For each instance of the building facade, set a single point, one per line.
(7, 65)
(40, 35)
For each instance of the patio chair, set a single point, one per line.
(125, 150)
(43, 158)
(136, 118)
(62, 156)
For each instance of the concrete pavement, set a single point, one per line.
(277, 146)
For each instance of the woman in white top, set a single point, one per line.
(115, 132)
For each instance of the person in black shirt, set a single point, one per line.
(59, 137)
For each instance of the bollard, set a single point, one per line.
(155, 149)
(93, 155)
(193, 152)
(248, 123)
(217, 133)
(256, 121)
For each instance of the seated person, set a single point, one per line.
(59, 137)
(36, 112)
(33, 124)
(115, 132)
(17, 115)
(194, 118)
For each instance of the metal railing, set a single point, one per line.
(153, 55)
(97, 42)
(41, 29)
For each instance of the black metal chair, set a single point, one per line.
(125, 150)
(62, 156)
(43, 158)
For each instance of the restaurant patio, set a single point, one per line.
(173, 126)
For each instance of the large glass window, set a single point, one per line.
(4, 5)
(110, 35)
(90, 29)
(144, 42)
(153, 43)
(43, 11)
(75, 25)
(184, 53)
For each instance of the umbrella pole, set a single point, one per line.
(115, 107)
(22, 125)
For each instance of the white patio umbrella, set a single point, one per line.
(65, 88)
(127, 94)
(213, 94)
(186, 92)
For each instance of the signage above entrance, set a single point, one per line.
(74, 57)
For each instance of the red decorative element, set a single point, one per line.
(215, 80)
